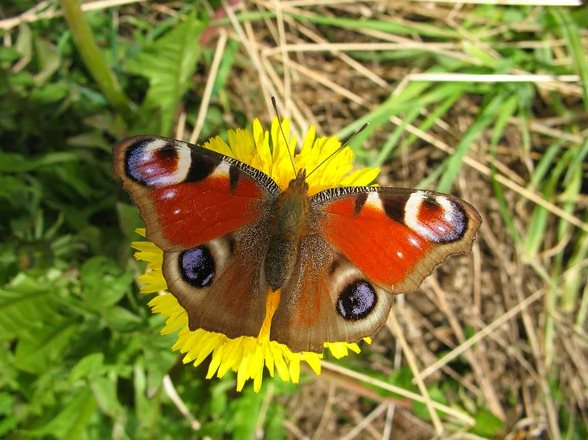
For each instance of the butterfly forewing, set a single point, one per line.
(396, 235)
(189, 195)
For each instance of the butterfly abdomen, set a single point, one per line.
(289, 223)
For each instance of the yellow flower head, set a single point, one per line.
(247, 355)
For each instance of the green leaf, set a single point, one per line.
(121, 319)
(24, 45)
(24, 304)
(50, 93)
(159, 358)
(398, 26)
(104, 391)
(92, 56)
(453, 164)
(48, 61)
(420, 409)
(245, 413)
(146, 409)
(576, 48)
(168, 63)
(482, 55)
(44, 347)
(274, 427)
(88, 366)
(103, 282)
(15, 163)
(72, 420)
(12, 188)
(487, 424)
(8, 421)
(8, 55)
(129, 219)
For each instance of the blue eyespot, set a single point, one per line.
(197, 266)
(357, 300)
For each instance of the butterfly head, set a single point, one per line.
(299, 183)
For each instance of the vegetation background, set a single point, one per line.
(487, 101)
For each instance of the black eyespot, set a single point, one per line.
(357, 300)
(152, 162)
(197, 266)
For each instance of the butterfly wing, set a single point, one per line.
(219, 283)
(208, 212)
(369, 243)
(396, 235)
(189, 195)
(328, 299)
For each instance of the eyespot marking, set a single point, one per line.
(356, 300)
(197, 266)
(156, 162)
(436, 217)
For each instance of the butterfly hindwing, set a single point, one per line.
(218, 283)
(189, 195)
(328, 299)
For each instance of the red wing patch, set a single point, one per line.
(396, 236)
(385, 250)
(188, 195)
(192, 213)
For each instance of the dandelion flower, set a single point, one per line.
(246, 355)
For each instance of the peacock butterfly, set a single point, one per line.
(230, 236)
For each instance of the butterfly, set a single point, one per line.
(230, 236)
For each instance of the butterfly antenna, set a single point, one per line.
(275, 105)
(343, 145)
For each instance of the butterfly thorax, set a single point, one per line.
(289, 223)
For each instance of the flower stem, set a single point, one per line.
(92, 57)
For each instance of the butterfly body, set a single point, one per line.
(230, 236)
(289, 223)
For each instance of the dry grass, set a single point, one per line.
(495, 324)
(481, 321)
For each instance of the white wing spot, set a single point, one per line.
(222, 169)
(414, 242)
(373, 200)
(169, 194)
